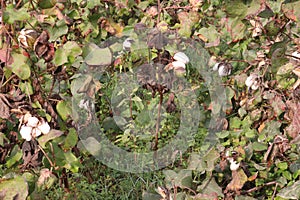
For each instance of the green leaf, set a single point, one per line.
(235, 123)
(20, 66)
(58, 30)
(98, 56)
(210, 187)
(12, 15)
(26, 87)
(72, 163)
(196, 162)
(210, 157)
(64, 109)
(150, 196)
(182, 179)
(282, 165)
(13, 188)
(44, 4)
(71, 139)
(223, 134)
(72, 48)
(271, 129)
(50, 136)
(60, 57)
(287, 175)
(211, 34)
(67, 53)
(291, 192)
(236, 8)
(258, 146)
(250, 133)
(14, 157)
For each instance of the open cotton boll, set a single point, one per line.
(224, 70)
(255, 85)
(250, 80)
(127, 44)
(36, 132)
(216, 66)
(25, 132)
(234, 165)
(44, 127)
(178, 64)
(180, 56)
(32, 121)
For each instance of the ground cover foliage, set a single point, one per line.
(252, 47)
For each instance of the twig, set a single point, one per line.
(11, 77)
(273, 196)
(178, 7)
(51, 163)
(259, 187)
(292, 56)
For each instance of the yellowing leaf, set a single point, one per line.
(20, 66)
(187, 21)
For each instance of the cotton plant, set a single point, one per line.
(32, 127)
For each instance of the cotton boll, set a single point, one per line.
(44, 127)
(26, 117)
(252, 82)
(32, 122)
(249, 81)
(178, 64)
(255, 85)
(127, 44)
(25, 132)
(234, 165)
(182, 57)
(216, 66)
(224, 69)
(36, 132)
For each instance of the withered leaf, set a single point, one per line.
(32, 155)
(4, 110)
(239, 178)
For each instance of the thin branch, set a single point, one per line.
(159, 11)
(51, 163)
(259, 187)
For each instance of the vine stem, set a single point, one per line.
(158, 120)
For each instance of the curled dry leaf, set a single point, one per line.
(42, 47)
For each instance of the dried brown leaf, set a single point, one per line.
(4, 108)
(239, 178)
